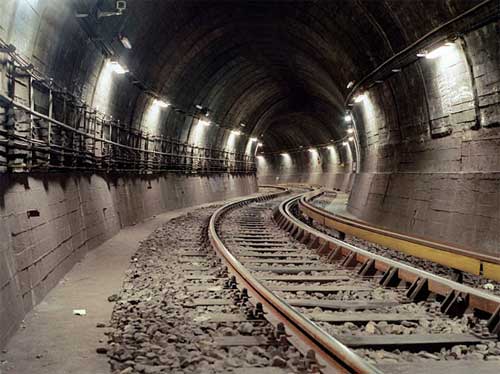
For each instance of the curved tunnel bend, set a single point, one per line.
(115, 111)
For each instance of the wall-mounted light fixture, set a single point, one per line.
(203, 122)
(125, 41)
(117, 67)
(360, 98)
(437, 52)
(161, 103)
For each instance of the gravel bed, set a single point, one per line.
(154, 329)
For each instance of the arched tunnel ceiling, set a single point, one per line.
(279, 67)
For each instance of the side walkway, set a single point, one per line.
(54, 341)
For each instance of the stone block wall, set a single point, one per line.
(329, 167)
(49, 222)
(430, 141)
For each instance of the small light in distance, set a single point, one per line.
(351, 138)
(359, 98)
(242, 124)
(202, 122)
(350, 84)
(253, 139)
(347, 118)
(198, 106)
(125, 41)
(350, 130)
(345, 144)
(161, 103)
(260, 145)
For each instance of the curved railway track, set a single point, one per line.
(344, 308)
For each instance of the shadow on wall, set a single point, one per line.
(48, 222)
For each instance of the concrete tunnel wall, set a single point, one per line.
(49, 221)
(430, 149)
(428, 135)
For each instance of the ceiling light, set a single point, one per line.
(117, 68)
(396, 70)
(350, 130)
(260, 145)
(242, 124)
(331, 147)
(253, 139)
(351, 138)
(285, 154)
(198, 106)
(359, 98)
(125, 41)
(235, 132)
(312, 150)
(161, 103)
(348, 118)
(350, 84)
(422, 54)
(439, 52)
(202, 122)
(345, 144)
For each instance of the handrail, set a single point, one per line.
(331, 350)
(237, 162)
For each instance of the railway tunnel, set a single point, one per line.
(136, 133)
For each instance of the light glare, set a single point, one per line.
(202, 122)
(348, 118)
(161, 103)
(350, 130)
(439, 52)
(359, 98)
(117, 68)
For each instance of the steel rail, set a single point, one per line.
(475, 299)
(443, 253)
(306, 335)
